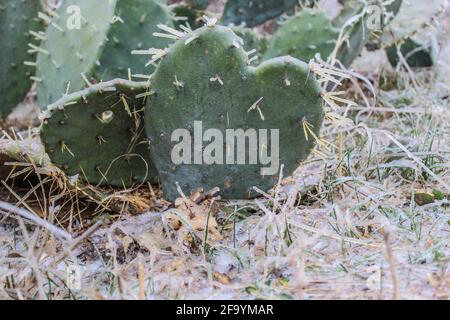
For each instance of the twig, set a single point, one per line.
(35, 219)
(141, 276)
(392, 266)
(85, 235)
(75, 243)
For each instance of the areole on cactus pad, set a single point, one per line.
(204, 84)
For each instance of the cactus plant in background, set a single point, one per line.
(303, 36)
(418, 50)
(350, 8)
(253, 13)
(354, 20)
(91, 41)
(18, 20)
(355, 33)
(98, 134)
(415, 54)
(205, 77)
(311, 32)
(189, 13)
(392, 9)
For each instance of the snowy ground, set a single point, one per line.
(368, 218)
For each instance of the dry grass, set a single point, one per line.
(358, 220)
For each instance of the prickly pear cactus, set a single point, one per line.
(311, 31)
(361, 24)
(388, 10)
(91, 41)
(303, 36)
(416, 38)
(353, 41)
(253, 13)
(392, 9)
(204, 84)
(98, 134)
(415, 54)
(18, 20)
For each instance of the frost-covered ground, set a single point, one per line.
(369, 217)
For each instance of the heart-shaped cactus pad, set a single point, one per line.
(98, 134)
(216, 121)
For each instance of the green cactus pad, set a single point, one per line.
(253, 13)
(303, 36)
(393, 9)
(356, 33)
(352, 7)
(349, 9)
(356, 16)
(17, 19)
(98, 134)
(418, 43)
(208, 79)
(416, 55)
(357, 37)
(101, 49)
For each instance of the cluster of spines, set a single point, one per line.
(186, 32)
(40, 37)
